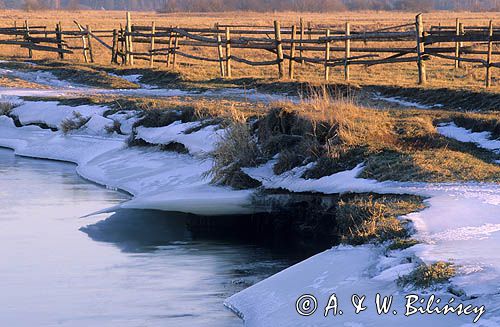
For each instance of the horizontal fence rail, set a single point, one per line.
(304, 43)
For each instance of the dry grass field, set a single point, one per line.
(441, 73)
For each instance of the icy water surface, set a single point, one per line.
(130, 268)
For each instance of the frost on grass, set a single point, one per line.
(425, 276)
(73, 123)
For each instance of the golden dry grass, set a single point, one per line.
(441, 73)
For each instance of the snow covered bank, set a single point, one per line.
(198, 142)
(343, 271)
(461, 225)
(158, 179)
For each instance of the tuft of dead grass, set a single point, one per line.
(6, 108)
(236, 149)
(73, 123)
(425, 276)
(363, 218)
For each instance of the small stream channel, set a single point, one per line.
(129, 268)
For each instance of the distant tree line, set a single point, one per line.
(255, 5)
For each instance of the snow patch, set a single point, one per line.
(481, 139)
(404, 103)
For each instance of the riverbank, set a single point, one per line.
(166, 160)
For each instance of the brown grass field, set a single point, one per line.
(441, 73)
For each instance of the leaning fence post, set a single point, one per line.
(228, 52)
(347, 50)
(220, 53)
(84, 42)
(152, 45)
(279, 48)
(89, 41)
(327, 55)
(488, 59)
(301, 39)
(457, 43)
(292, 52)
(419, 28)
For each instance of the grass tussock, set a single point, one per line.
(73, 123)
(402, 243)
(235, 150)
(425, 276)
(6, 108)
(364, 218)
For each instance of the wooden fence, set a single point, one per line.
(304, 43)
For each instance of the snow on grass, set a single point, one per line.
(39, 77)
(404, 103)
(51, 113)
(97, 125)
(198, 142)
(481, 139)
(127, 119)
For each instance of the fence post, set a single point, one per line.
(89, 40)
(291, 62)
(123, 46)
(419, 28)
(301, 39)
(176, 45)
(59, 38)
(228, 52)
(169, 46)
(128, 41)
(84, 43)
(114, 48)
(457, 44)
(279, 48)
(309, 28)
(488, 59)
(347, 51)
(327, 56)
(220, 53)
(152, 45)
(27, 36)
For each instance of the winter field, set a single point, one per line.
(409, 186)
